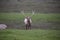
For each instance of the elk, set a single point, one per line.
(3, 26)
(27, 20)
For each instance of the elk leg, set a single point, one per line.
(26, 27)
(30, 26)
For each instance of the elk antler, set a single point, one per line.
(32, 13)
(25, 15)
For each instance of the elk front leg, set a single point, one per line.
(26, 26)
(29, 27)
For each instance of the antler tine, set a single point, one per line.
(32, 13)
(23, 13)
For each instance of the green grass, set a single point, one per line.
(36, 18)
(14, 34)
(52, 21)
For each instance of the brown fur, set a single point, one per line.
(28, 25)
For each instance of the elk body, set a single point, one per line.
(28, 22)
(3, 26)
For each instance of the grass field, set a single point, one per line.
(34, 34)
(39, 20)
(14, 34)
(36, 18)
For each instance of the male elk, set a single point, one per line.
(28, 21)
